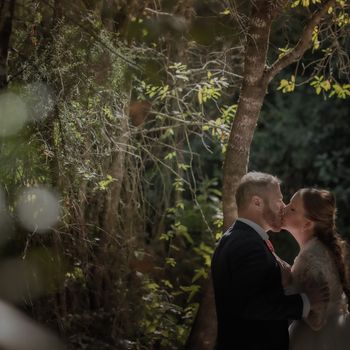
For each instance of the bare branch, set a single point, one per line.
(155, 12)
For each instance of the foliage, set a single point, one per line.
(134, 145)
(109, 288)
(302, 139)
(325, 67)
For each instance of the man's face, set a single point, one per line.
(273, 208)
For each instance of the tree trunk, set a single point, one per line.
(7, 8)
(103, 285)
(203, 332)
(249, 105)
(250, 101)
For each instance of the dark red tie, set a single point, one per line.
(270, 245)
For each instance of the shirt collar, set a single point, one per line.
(255, 227)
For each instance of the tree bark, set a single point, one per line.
(7, 8)
(249, 105)
(203, 332)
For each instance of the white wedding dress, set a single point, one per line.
(328, 328)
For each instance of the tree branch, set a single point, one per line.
(303, 44)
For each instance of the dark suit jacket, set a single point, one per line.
(252, 310)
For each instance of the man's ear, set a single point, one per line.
(257, 201)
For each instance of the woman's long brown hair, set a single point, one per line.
(320, 207)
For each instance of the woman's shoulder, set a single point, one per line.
(314, 251)
(314, 246)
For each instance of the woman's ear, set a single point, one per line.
(309, 225)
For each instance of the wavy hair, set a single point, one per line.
(320, 208)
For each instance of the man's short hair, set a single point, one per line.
(252, 184)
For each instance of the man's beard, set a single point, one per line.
(271, 218)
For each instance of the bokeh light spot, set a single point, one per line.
(39, 99)
(38, 209)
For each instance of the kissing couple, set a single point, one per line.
(261, 301)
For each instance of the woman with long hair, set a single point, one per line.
(310, 217)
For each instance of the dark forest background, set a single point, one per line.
(114, 119)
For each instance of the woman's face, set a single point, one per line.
(294, 219)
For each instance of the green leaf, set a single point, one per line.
(105, 183)
(283, 51)
(305, 3)
(225, 12)
(167, 284)
(199, 274)
(192, 290)
(200, 96)
(170, 155)
(180, 205)
(170, 261)
(218, 235)
(287, 86)
(165, 236)
(178, 184)
(326, 85)
(342, 91)
(163, 92)
(183, 166)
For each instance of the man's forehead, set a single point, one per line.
(275, 189)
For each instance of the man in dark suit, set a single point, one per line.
(252, 309)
